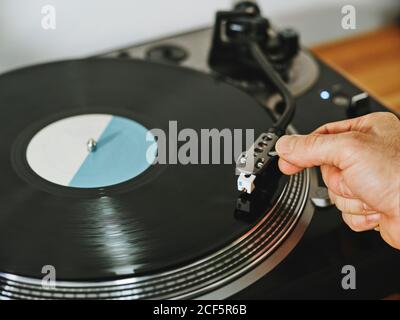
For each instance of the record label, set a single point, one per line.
(91, 151)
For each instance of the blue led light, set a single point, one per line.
(325, 95)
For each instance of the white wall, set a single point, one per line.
(85, 27)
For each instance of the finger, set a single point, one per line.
(389, 230)
(356, 124)
(287, 167)
(350, 206)
(361, 223)
(319, 149)
(334, 180)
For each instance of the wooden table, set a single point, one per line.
(371, 61)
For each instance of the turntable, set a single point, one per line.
(79, 193)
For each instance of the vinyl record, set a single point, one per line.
(112, 216)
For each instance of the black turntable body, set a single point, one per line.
(328, 244)
(115, 227)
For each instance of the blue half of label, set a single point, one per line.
(121, 149)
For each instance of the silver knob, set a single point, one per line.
(91, 145)
(320, 198)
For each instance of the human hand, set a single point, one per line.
(360, 164)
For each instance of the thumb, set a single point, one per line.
(311, 150)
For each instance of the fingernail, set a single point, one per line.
(376, 217)
(285, 144)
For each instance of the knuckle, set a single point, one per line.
(371, 117)
(382, 118)
(311, 141)
(354, 222)
(332, 196)
(357, 224)
(345, 206)
(348, 206)
(339, 204)
(354, 141)
(388, 116)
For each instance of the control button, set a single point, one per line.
(123, 55)
(356, 105)
(248, 7)
(167, 53)
(359, 105)
(290, 41)
(324, 95)
(341, 100)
